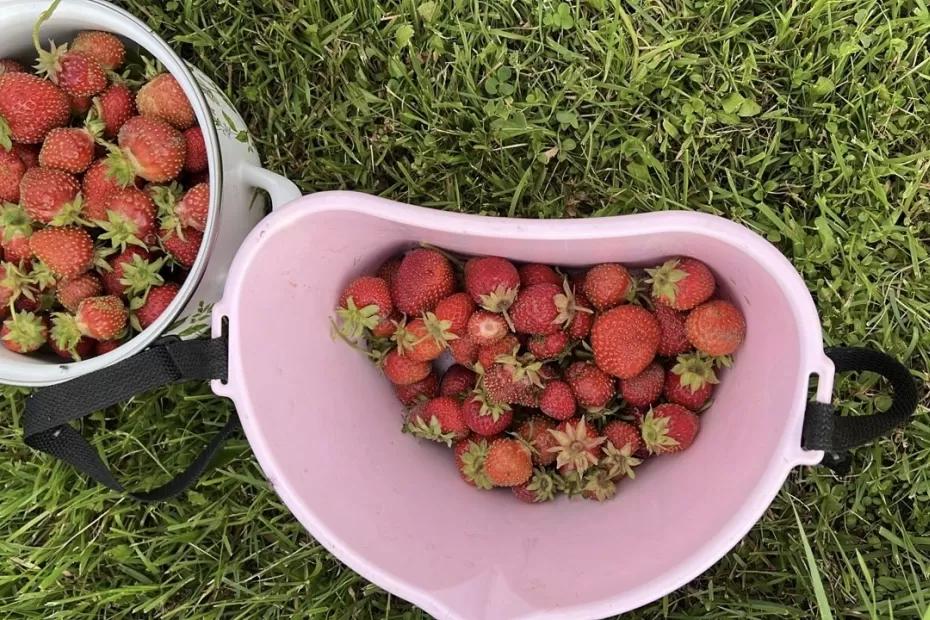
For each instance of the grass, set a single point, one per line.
(806, 121)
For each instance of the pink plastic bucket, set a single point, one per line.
(325, 426)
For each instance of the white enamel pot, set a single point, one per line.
(234, 169)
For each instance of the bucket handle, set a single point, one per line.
(49, 410)
(825, 430)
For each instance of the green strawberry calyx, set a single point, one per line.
(696, 370)
(599, 484)
(70, 213)
(619, 462)
(665, 279)
(656, 433)
(566, 304)
(120, 231)
(353, 321)
(65, 333)
(543, 485)
(574, 447)
(25, 330)
(432, 430)
(473, 459)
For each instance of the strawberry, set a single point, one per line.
(534, 431)
(690, 382)
(623, 435)
(470, 455)
(624, 340)
(194, 206)
(645, 388)
(492, 282)
(672, 338)
(30, 107)
(68, 252)
(130, 219)
(508, 463)
(676, 392)
(388, 270)
(96, 187)
(536, 273)
(456, 309)
(423, 278)
(577, 445)
(682, 283)
(102, 347)
(162, 98)
(71, 292)
(113, 107)
(441, 419)
(457, 381)
(28, 154)
(16, 229)
(591, 386)
(541, 487)
(536, 309)
(14, 282)
(146, 310)
(598, 485)
(76, 74)
(132, 272)
(101, 318)
(485, 418)
(548, 347)
(105, 48)
(464, 351)
(513, 380)
(423, 339)
(621, 452)
(12, 170)
(79, 106)
(422, 390)
(386, 327)
(8, 65)
(580, 325)
(45, 193)
(607, 285)
(83, 349)
(24, 332)
(557, 400)
(401, 371)
(488, 353)
(70, 149)
(669, 428)
(716, 328)
(364, 303)
(486, 327)
(183, 247)
(196, 160)
(149, 148)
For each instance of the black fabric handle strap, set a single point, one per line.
(49, 411)
(825, 430)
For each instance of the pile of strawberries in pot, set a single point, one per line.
(103, 185)
(560, 383)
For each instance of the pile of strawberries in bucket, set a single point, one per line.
(103, 184)
(561, 382)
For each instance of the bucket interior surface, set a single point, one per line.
(327, 428)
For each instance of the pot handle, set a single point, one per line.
(827, 431)
(279, 188)
(170, 360)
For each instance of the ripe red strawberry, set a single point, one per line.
(105, 48)
(492, 282)
(401, 371)
(12, 170)
(422, 340)
(672, 338)
(388, 270)
(535, 432)
(130, 219)
(102, 347)
(84, 348)
(76, 74)
(132, 272)
(486, 327)
(67, 252)
(607, 285)
(485, 418)
(488, 353)
(101, 318)
(536, 273)
(194, 206)
(580, 325)
(16, 229)
(71, 292)
(79, 106)
(96, 187)
(716, 328)
(513, 380)
(457, 381)
(541, 487)
(537, 309)
(363, 304)
(149, 148)
(156, 302)
(591, 386)
(423, 278)
(70, 149)
(45, 193)
(680, 394)
(422, 390)
(508, 463)
(464, 351)
(548, 347)
(645, 388)
(386, 327)
(682, 283)
(14, 283)
(577, 446)
(163, 98)
(624, 340)
(182, 248)
(8, 65)
(196, 160)
(448, 413)
(557, 400)
(669, 428)
(113, 108)
(28, 154)
(623, 435)
(470, 455)
(24, 332)
(30, 107)
(457, 309)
